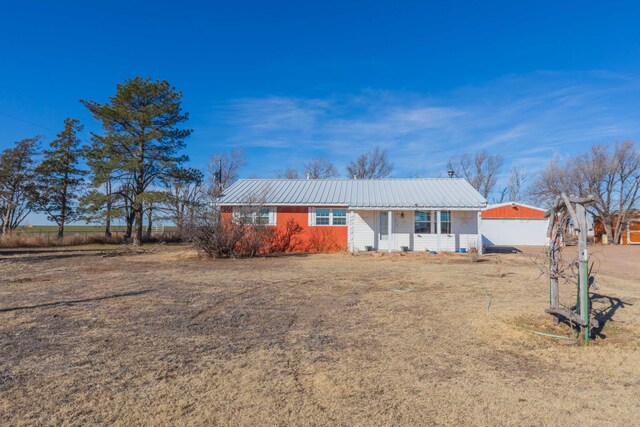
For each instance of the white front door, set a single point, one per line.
(383, 230)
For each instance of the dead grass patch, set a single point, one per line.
(302, 340)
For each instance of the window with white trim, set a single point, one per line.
(339, 217)
(249, 216)
(327, 216)
(323, 216)
(423, 222)
(445, 222)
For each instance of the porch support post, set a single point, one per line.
(438, 230)
(390, 223)
(479, 244)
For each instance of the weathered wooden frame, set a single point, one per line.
(565, 209)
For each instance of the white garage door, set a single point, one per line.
(514, 232)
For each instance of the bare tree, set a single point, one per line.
(288, 173)
(626, 159)
(553, 180)
(183, 195)
(514, 190)
(374, 164)
(480, 169)
(612, 177)
(223, 170)
(319, 168)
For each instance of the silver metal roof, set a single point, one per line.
(392, 193)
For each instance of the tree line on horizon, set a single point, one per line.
(134, 170)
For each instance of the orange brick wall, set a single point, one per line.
(312, 238)
(510, 211)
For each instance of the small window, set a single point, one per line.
(423, 222)
(445, 222)
(322, 216)
(250, 215)
(326, 216)
(339, 217)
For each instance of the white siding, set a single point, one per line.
(364, 226)
(402, 229)
(423, 242)
(514, 232)
(465, 227)
(364, 230)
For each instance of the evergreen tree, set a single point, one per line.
(142, 137)
(59, 178)
(104, 202)
(17, 188)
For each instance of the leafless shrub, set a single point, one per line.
(236, 235)
(474, 255)
(255, 240)
(322, 240)
(284, 238)
(214, 237)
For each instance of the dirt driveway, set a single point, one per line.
(92, 337)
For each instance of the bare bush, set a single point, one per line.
(255, 240)
(214, 237)
(217, 236)
(474, 254)
(284, 238)
(323, 240)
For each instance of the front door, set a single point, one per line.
(383, 230)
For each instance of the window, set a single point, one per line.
(423, 222)
(326, 216)
(248, 215)
(339, 217)
(445, 222)
(263, 216)
(323, 216)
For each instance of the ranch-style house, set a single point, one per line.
(421, 214)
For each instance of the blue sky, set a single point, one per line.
(290, 80)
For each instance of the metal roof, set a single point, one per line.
(392, 193)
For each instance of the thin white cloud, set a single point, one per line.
(525, 118)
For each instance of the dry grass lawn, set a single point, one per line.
(166, 338)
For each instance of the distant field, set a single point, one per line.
(77, 228)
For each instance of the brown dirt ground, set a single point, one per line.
(166, 338)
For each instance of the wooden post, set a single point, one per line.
(583, 273)
(554, 289)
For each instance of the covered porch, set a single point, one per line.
(417, 229)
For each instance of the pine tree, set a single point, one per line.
(17, 188)
(60, 178)
(142, 137)
(104, 202)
